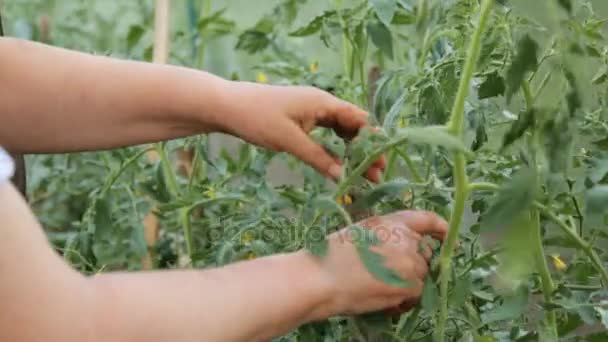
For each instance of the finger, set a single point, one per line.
(304, 148)
(427, 252)
(343, 117)
(423, 222)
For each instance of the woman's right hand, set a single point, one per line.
(355, 290)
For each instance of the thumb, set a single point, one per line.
(313, 154)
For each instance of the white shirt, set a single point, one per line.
(7, 168)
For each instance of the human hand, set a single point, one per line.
(355, 290)
(280, 118)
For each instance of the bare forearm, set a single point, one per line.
(250, 301)
(56, 100)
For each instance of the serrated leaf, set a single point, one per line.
(513, 199)
(385, 10)
(373, 196)
(374, 263)
(524, 61)
(382, 38)
(492, 86)
(431, 105)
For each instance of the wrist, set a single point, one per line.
(317, 285)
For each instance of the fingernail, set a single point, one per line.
(335, 171)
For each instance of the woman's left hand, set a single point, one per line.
(280, 118)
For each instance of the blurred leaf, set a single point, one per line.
(134, 36)
(525, 121)
(566, 4)
(382, 38)
(431, 135)
(392, 188)
(393, 113)
(596, 206)
(492, 86)
(313, 26)
(513, 306)
(385, 10)
(430, 296)
(513, 199)
(525, 61)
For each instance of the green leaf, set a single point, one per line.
(103, 218)
(393, 188)
(524, 61)
(253, 41)
(492, 86)
(393, 113)
(382, 38)
(596, 206)
(525, 121)
(134, 35)
(313, 26)
(430, 296)
(513, 199)
(431, 105)
(430, 135)
(385, 10)
(225, 254)
(374, 263)
(512, 307)
(566, 4)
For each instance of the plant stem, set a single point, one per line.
(167, 169)
(543, 269)
(457, 116)
(461, 182)
(410, 165)
(187, 230)
(346, 52)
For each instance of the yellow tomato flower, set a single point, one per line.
(314, 67)
(403, 123)
(261, 77)
(558, 262)
(210, 193)
(346, 199)
(251, 256)
(247, 237)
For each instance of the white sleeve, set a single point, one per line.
(7, 168)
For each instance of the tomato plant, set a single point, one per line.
(492, 113)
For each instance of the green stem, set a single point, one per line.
(545, 275)
(170, 176)
(365, 164)
(346, 52)
(461, 182)
(445, 258)
(457, 116)
(525, 86)
(187, 230)
(410, 165)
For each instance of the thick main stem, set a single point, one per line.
(461, 182)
